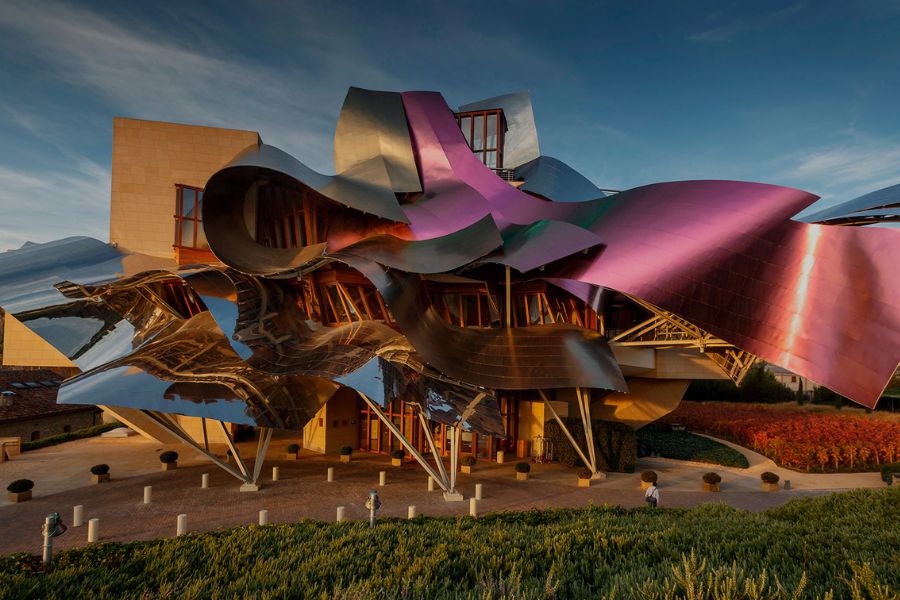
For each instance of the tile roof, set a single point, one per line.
(30, 394)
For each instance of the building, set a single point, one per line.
(449, 291)
(28, 408)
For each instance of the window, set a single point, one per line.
(188, 223)
(464, 306)
(484, 131)
(346, 297)
(289, 218)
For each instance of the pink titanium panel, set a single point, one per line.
(821, 301)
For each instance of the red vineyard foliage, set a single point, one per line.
(796, 439)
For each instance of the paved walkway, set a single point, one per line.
(62, 480)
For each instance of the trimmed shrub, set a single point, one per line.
(168, 457)
(892, 468)
(585, 474)
(683, 445)
(769, 477)
(399, 453)
(712, 478)
(20, 485)
(346, 450)
(71, 436)
(100, 469)
(523, 467)
(293, 448)
(649, 476)
(614, 444)
(468, 461)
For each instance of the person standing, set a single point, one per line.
(651, 496)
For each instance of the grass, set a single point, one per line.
(808, 547)
(68, 437)
(683, 445)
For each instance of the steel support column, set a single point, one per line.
(438, 477)
(589, 461)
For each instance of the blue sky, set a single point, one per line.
(803, 94)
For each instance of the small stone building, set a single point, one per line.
(28, 407)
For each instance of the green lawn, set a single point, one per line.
(827, 543)
(682, 445)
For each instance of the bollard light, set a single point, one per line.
(373, 503)
(204, 480)
(341, 514)
(275, 473)
(411, 512)
(330, 474)
(473, 507)
(181, 525)
(263, 517)
(382, 478)
(431, 484)
(148, 494)
(478, 491)
(78, 516)
(93, 530)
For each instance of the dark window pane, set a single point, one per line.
(490, 159)
(188, 198)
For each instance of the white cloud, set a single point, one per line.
(725, 33)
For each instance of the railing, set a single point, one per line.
(505, 174)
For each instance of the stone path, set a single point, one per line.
(62, 481)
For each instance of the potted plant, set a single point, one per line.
(19, 490)
(100, 473)
(169, 460)
(467, 463)
(293, 451)
(647, 477)
(584, 477)
(522, 471)
(711, 482)
(397, 457)
(769, 481)
(346, 451)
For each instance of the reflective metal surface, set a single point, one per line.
(879, 206)
(372, 127)
(521, 139)
(555, 180)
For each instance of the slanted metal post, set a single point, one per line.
(182, 435)
(234, 452)
(455, 433)
(584, 404)
(441, 481)
(431, 444)
(566, 431)
(265, 436)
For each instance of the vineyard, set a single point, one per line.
(796, 438)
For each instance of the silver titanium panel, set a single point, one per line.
(520, 143)
(372, 128)
(557, 181)
(884, 197)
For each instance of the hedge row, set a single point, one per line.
(804, 549)
(614, 444)
(68, 437)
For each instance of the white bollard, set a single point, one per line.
(341, 514)
(181, 525)
(330, 474)
(93, 530)
(478, 491)
(204, 480)
(473, 507)
(382, 478)
(501, 457)
(78, 516)
(411, 512)
(148, 494)
(431, 484)
(275, 473)
(263, 517)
